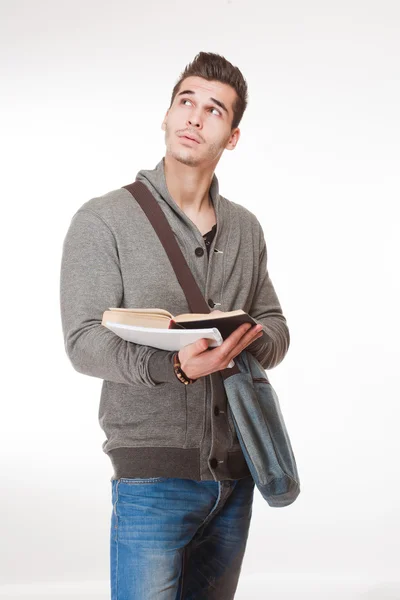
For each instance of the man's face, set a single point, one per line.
(201, 109)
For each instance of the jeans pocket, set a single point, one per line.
(131, 496)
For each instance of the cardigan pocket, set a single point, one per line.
(133, 415)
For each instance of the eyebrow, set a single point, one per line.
(217, 102)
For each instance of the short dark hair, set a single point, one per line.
(215, 67)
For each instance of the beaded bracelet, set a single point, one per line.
(179, 373)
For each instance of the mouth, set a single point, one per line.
(185, 138)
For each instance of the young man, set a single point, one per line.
(181, 490)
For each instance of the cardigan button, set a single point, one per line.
(199, 251)
(211, 303)
(213, 463)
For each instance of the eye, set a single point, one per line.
(212, 107)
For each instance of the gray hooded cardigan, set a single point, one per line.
(155, 426)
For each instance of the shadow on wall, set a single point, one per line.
(382, 591)
(315, 587)
(256, 588)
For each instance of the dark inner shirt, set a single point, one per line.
(209, 236)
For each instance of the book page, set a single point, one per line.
(204, 316)
(155, 311)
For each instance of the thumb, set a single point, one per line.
(202, 344)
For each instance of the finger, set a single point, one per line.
(199, 346)
(234, 340)
(194, 349)
(253, 334)
(246, 341)
(246, 334)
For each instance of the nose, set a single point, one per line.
(194, 120)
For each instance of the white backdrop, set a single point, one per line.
(85, 86)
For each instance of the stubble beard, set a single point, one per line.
(186, 157)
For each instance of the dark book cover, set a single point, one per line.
(225, 325)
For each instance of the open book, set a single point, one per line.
(158, 328)
(225, 322)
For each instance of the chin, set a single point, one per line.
(184, 156)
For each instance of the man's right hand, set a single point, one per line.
(197, 360)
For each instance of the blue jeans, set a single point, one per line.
(178, 539)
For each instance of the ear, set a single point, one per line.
(163, 125)
(233, 140)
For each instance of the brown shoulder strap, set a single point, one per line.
(155, 214)
(157, 218)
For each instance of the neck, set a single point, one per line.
(188, 186)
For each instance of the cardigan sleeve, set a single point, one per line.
(266, 310)
(90, 283)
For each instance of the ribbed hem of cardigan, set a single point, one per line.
(172, 462)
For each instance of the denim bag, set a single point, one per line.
(262, 432)
(253, 402)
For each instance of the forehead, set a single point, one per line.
(210, 89)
